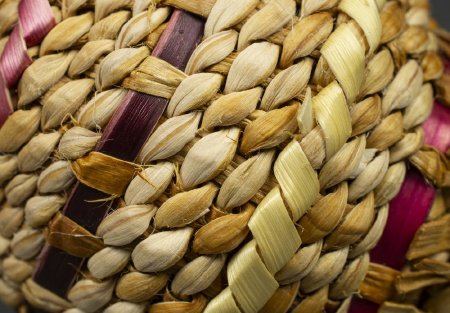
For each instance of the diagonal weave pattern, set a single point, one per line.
(264, 184)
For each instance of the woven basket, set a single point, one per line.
(206, 155)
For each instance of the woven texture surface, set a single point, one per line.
(254, 178)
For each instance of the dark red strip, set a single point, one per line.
(124, 136)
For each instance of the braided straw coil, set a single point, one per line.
(262, 187)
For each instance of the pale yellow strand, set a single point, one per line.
(297, 179)
(274, 232)
(250, 281)
(346, 57)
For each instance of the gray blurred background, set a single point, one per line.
(441, 12)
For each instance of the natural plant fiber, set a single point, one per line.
(248, 170)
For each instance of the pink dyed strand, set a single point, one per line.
(15, 58)
(35, 21)
(36, 18)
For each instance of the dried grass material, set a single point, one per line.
(370, 177)
(15, 270)
(140, 26)
(41, 75)
(197, 275)
(404, 88)
(99, 110)
(282, 299)
(126, 224)
(252, 66)
(40, 209)
(10, 221)
(89, 54)
(341, 46)
(202, 8)
(128, 307)
(8, 167)
(354, 224)
(393, 20)
(211, 51)
(314, 302)
(27, 243)
(432, 66)
(414, 40)
(254, 172)
(374, 234)
(4, 246)
(378, 73)
(311, 6)
(65, 34)
(298, 199)
(107, 262)
(138, 287)
(117, 65)
(109, 27)
(365, 13)
(65, 234)
(408, 145)
(366, 115)
(162, 250)
(251, 283)
(300, 264)
(269, 130)
(19, 128)
(55, 178)
(223, 234)
(149, 184)
(8, 15)
(90, 296)
(225, 14)
(10, 294)
(42, 298)
(420, 108)
(36, 152)
(431, 238)
(328, 267)
(104, 173)
(20, 188)
(185, 207)
(267, 21)
(231, 109)
(305, 114)
(105, 7)
(196, 305)
(392, 307)
(64, 102)
(194, 92)
(378, 286)
(170, 137)
(209, 157)
(351, 278)
(332, 114)
(387, 133)
(305, 36)
(77, 142)
(391, 183)
(274, 232)
(324, 216)
(287, 85)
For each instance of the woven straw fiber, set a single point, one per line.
(265, 183)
